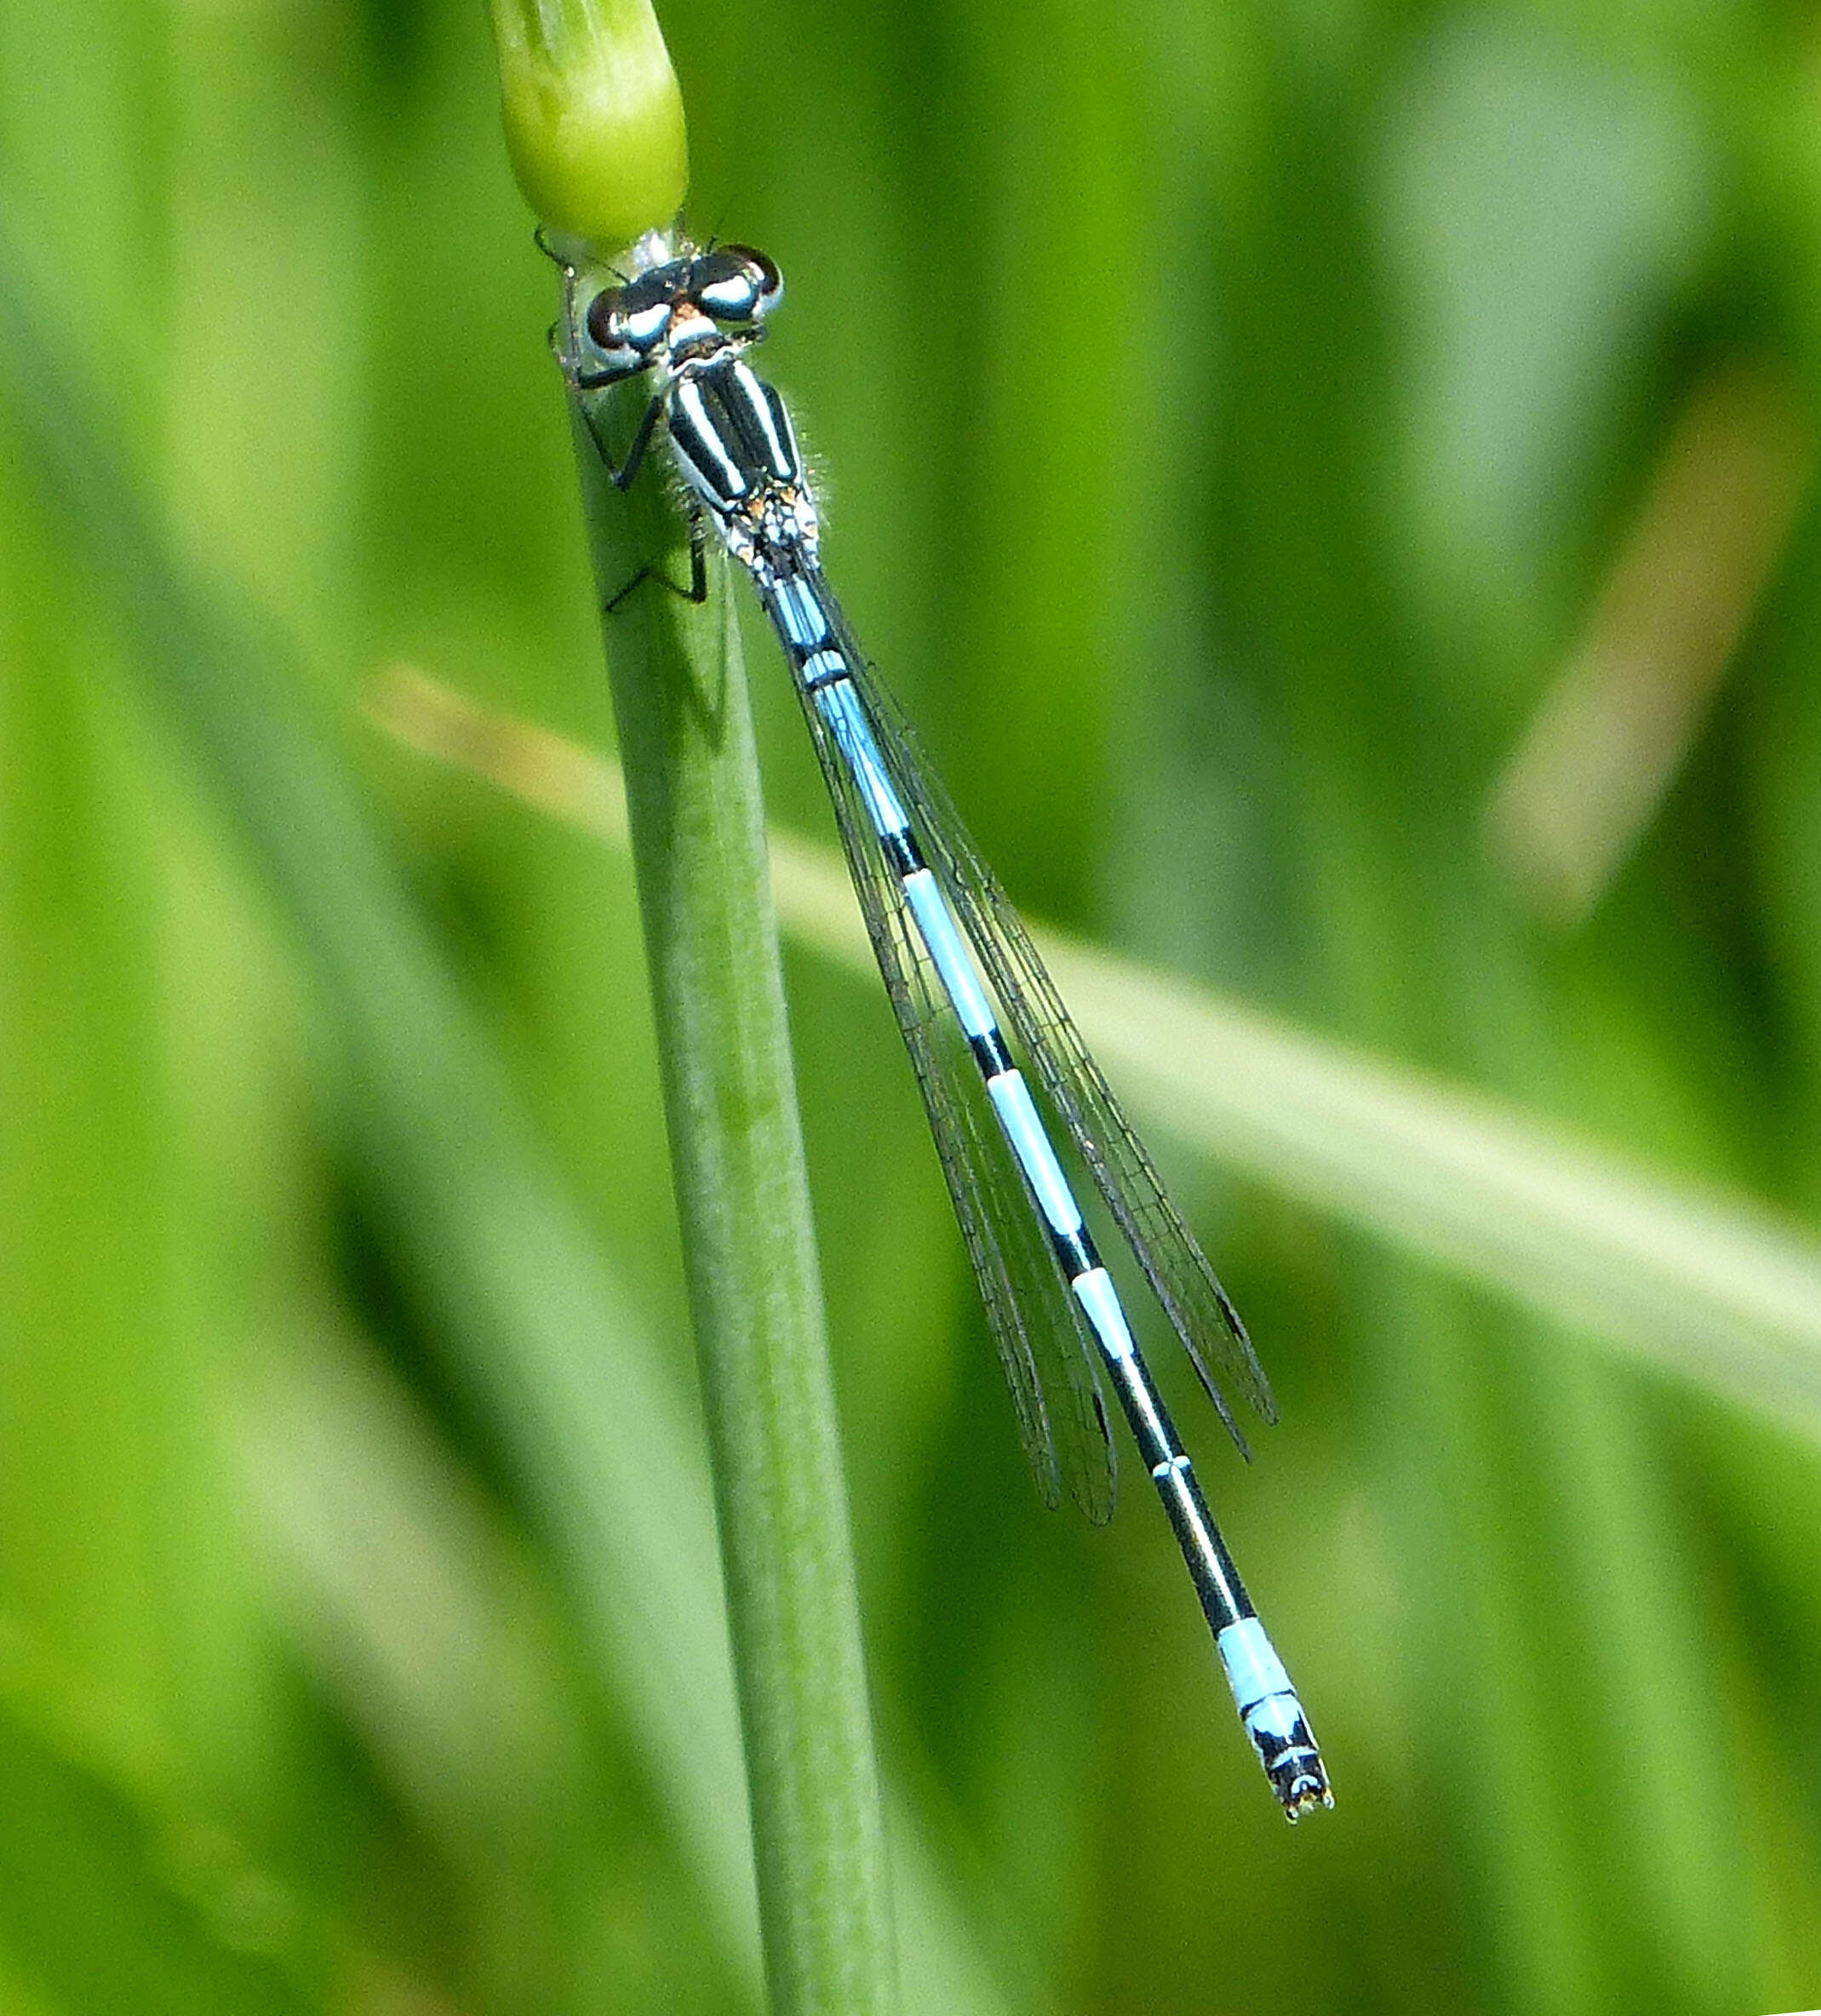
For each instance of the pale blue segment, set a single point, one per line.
(1254, 1671)
(840, 708)
(1012, 1097)
(954, 961)
(1096, 1293)
(823, 666)
(803, 623)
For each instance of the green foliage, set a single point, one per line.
(1308, 469)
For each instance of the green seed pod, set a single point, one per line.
(594, 117)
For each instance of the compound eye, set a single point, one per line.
(738, 285)
(625, 333)
(601, 323)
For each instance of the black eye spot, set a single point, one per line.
(603, 311)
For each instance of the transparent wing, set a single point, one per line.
(1203, 1318)
(1038, 1326)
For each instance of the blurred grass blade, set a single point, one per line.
(1593, 766)
(378, 1526)
(1713, 1290)
(112, 1899)
(511, 1285)
(418, 1604)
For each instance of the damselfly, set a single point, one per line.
(955, 960)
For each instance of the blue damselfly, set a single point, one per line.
(955, 959)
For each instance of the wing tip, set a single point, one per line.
(1095, 1489)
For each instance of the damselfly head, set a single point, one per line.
(681, 304)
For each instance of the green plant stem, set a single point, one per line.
(742, 1199)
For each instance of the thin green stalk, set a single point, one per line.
(742, 1197)
(595, 129)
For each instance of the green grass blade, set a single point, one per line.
(698, 841)
(111, 1897)
(1715, 1289)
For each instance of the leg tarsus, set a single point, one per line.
(698, 559)
(696, 592)
(614, 604)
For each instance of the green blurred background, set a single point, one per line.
(1328, 479)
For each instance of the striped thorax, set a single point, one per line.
(689, 320)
